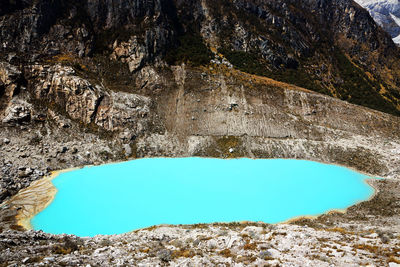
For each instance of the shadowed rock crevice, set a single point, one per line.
(96, 108)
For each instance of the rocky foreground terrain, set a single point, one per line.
(90, 82)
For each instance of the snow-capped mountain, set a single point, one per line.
(386, 13)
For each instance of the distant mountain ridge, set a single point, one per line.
(386, 13)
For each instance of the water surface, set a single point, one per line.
(118, 198)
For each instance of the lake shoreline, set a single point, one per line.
(25, 215)
(32, 200)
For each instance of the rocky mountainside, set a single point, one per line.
(386, 13)
(93, 81)
(332, 47)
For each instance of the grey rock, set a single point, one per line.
(128, 150)
(78, 96)
(385, 238)
(265, 255)
(63, 149)
(22, 174)
(196, 242)
(49, 259)
(212, 244)
(164, 255)
(29, 171)
(130, 52)
(17, 112)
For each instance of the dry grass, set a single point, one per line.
(245, 236)
(185, 253)
(393, 259)
(227, 253)
(250, 246)
(144, 250)
(252, 78)
(68, 59)
(339, 230)
(369, 248)
(246, 259)
(64, 58)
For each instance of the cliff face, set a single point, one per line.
(332, 47)
(47, 28)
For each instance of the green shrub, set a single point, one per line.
(253, 63)
(246, 62)
(191, 49)
(357, 88)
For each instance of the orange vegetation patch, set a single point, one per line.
(64, 58)
(339, 230)
(258, 80)
(371, 249)
(226, 253)
(393, 259)
(272, 82)
(186, 253)
(68, 59)
(250, 246)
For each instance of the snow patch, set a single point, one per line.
(397, 40)
(395, 19)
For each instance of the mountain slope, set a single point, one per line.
(386, 13)
(333, 51)
(330, 47)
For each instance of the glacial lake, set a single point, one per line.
(118, 198)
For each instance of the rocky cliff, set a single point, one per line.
(332, 47)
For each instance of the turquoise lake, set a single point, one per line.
(118, 198)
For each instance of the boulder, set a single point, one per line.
(10, 78)
(17, 112)
(164, 255)
(130, 52)
(59, 87)
(128, 150)
(119, 111)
